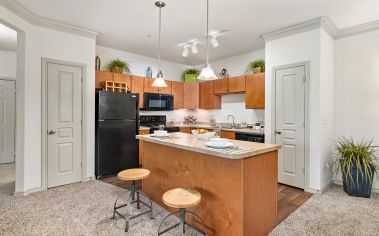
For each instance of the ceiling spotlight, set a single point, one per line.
(214, 41)
(185, 51)
(194, 48)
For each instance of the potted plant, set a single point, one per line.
(358, 164)
(256, 67)
(190, 75)
(118, 66)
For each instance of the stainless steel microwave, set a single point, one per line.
(158, 102)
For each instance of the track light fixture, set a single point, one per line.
(214, 41)
(194, 48)
(185, 51)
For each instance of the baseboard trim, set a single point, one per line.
(27, 192)
(89, 178)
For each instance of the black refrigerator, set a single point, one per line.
(116, 128)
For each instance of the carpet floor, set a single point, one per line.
(76, 209)
(86, 208)
(333, 213)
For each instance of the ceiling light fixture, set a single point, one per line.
(185, 51)
(194, 48)
(214, 41)
(159, 81)
(207, 73)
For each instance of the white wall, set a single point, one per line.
(297, 48)
(356, 90)
(8, 64)
(36, 43)
(138, 64)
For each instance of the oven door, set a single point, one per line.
(158, 102)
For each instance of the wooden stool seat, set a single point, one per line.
(181, 198)
(133, 174)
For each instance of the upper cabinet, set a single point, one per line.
(177, 90)
(123, 79)
(237, 84)
(190, 96)
(137, 87)
(208, 99)
(102, 76)
(148, 88)
(255, 91)
(221, 86)
(166, 90)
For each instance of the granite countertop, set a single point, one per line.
(242, 149)
(218, 127)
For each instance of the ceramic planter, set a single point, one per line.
(190, 78)
(360, 188)
(117, 70)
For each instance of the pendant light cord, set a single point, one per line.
(207, 33)
(159, 40)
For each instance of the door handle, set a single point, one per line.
(278, 132)
(50, 132)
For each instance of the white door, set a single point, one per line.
(64, 118)
(290, 124)
(7, 121)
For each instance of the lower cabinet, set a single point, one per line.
(185, 130)
(140, 146)
(227, 134)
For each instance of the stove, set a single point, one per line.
(156, 122)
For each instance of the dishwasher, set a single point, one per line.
(258, 138)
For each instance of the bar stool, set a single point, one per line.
(181, 199)
(134, 197)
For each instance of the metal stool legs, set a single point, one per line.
(134, 193)
(182, 222)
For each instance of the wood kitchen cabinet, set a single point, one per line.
(102, 76)
(208, 100)
(227, 134)
(122, 78)
(140, 146)
(221, 86)
(137, 87)
(185, 130)
(190, 96)
(148, 88)
(237, 84)
(255, 91)
(166, 90)
(177, 89)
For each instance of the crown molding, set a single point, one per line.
(320, 22)
(21, 11)
(362, 28)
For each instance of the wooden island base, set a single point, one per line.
(239, 196)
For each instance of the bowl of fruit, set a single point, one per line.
(202, 134)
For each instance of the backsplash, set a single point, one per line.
(231, 105)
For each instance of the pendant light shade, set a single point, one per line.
(159, 81)
(207, 72)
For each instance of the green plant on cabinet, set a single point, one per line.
(190, 75)
(118, 66)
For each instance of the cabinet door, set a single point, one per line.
(208, 100)
(137, 87)
(191, 96)
(255, 91)
(102, 76)
(140, 147)
(221, 86)
(237, 84)
(123, 79)
(148, 88)
(177, 91)
(227, 134)
(166, 90)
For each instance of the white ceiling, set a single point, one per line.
(133, 25)
(8, 38)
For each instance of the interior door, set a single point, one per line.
(64, 118)
(7, 121)
(290, 124)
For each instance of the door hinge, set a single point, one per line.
(304, 79)
(81, 164)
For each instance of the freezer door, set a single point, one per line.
(117, 147)
(117, 106)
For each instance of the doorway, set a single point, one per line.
(290, 109)
(62, 123)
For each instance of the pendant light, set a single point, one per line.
(207, 73)
(159, 81)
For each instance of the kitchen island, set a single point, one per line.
(238, 185)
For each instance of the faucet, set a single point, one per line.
(233, 125)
